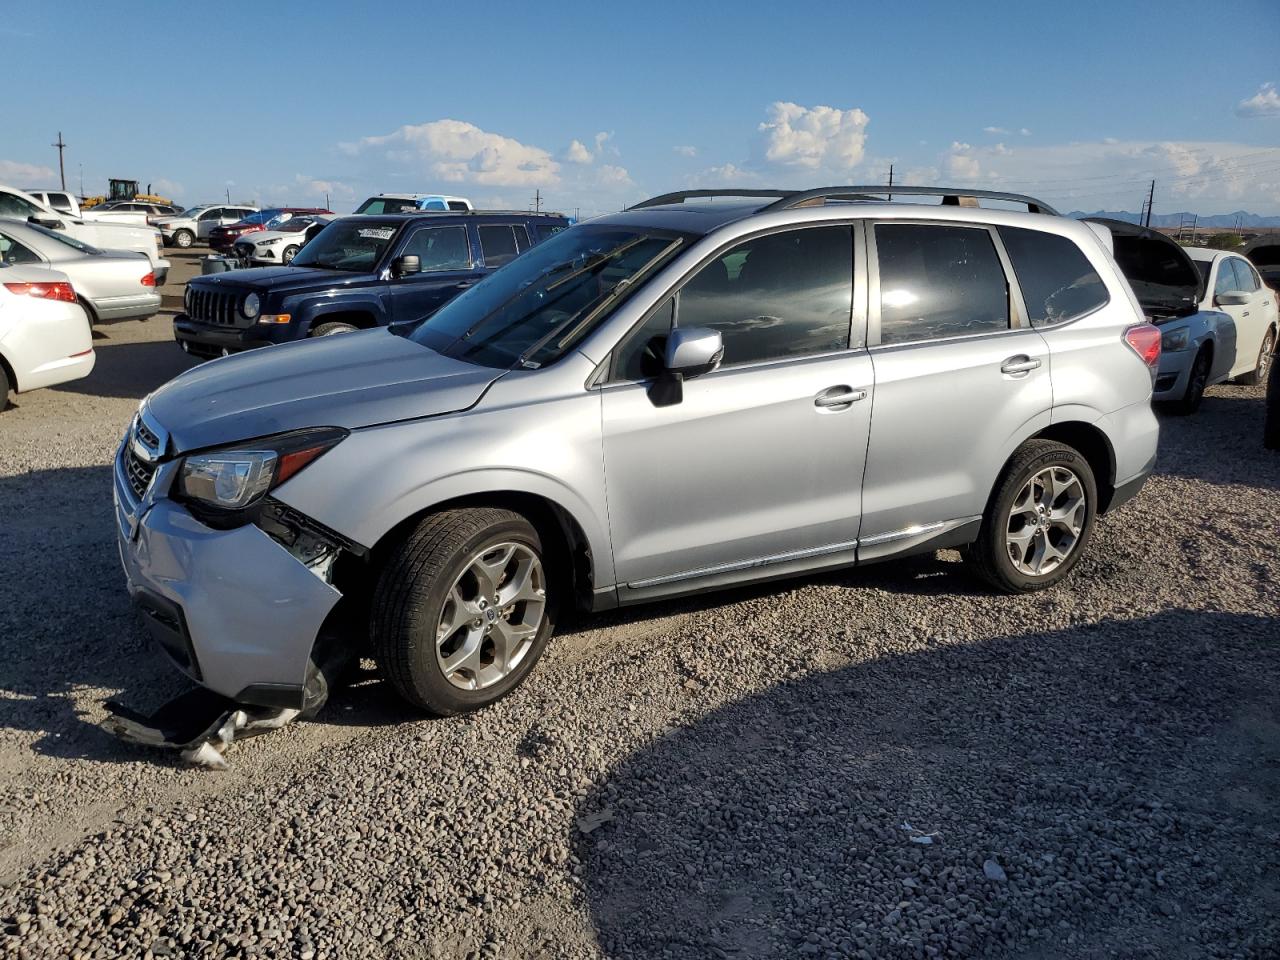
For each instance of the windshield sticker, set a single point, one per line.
(377, 233)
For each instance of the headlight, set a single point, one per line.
(1174, 340)
(221, 485)
(251, 306)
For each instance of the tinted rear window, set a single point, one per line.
(1058, 282)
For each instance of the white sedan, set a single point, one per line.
(111, 284)
(1232, 284)
(279, 243)
(44, 333)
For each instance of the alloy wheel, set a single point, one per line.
(1046, 521)
(491, 616)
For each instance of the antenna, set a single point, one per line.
(891, 180)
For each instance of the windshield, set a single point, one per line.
(64, 239)
(533, 310)
(278, 221)
(292, 225)
(262, 216)
(376, 205)
(347, 245)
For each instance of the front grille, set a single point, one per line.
(216, 307)
(146, 436)
(137, 471)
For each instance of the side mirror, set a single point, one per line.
(1231, 298)
(53, 223)
(406, 265)
(693, 350)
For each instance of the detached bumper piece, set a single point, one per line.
(200, 724)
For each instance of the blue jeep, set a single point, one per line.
(358, 272)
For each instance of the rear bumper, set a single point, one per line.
(1126, 491)
(58, 371)
(127, 308)
(230, 608)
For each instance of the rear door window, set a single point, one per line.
(1058, 282)
(939, 281)
(498, 244)
(440, 248)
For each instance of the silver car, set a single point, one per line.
(110, 284)
(672, 399)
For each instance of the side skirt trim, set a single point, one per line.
(743, 565)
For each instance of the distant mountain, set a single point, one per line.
(1223, 220)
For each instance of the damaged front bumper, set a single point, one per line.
(233, 609)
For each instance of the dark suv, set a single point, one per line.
(223, 239)
(358, 272)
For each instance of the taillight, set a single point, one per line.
(1144, 339)
(148, 279)
(43, 291)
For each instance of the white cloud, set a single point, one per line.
(168, 188)
(25, 174)
(686, 151)
(613, 175)
(1025, 132)
(577, 152)
(459, 152)
(722, 175)
(813, 138)
(1264, 103)
(995, 130)
(1208, 177)
(315, 187)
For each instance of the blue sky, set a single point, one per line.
(597, 105)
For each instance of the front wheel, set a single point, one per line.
(330, 329)
(1197, 381)
(4, 388)
(184, 239)
(1039, 520)
(462, 610)
(288, 254)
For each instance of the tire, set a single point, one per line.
(89, 313)
(1271, 425)
(1263, 366)
(1004, 525)
(329, 329)
(425, 598)
(1197, 381)
(5, 387)
(183, 239)
(287, 255)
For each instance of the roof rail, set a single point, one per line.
(789, 199)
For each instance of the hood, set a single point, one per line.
(352, 380)
(1164, 279)
(281, 280)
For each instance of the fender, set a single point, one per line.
(310, 308)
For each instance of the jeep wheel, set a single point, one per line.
(1039, 520)
(183, 239)
(329, 329)
(462, 609)
(289, 253)
(1263, 366)
(1196, 383)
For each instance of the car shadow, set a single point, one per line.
(1220, 442)
(127, 368)
(1123, 778)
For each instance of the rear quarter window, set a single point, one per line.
(1058, 282)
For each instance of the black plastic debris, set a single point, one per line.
(199, 723)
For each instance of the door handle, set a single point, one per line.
(1020, 364)
(1246, 313)
(838, 397)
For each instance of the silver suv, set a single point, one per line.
(676, 398)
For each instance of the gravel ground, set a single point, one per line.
(1098, 767)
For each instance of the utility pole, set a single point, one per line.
(82, 179)
(891, 181)
(537, 201)
(1151, 197)
(61, 170)
(228, 195)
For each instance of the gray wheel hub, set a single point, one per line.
(1045, 521)
(491, 616)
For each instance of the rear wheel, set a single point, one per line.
(329, 329)
(5, 387)
(1197, 381)
(183, 239)
(462, 609)
(1039, 520)
(1263, 366)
